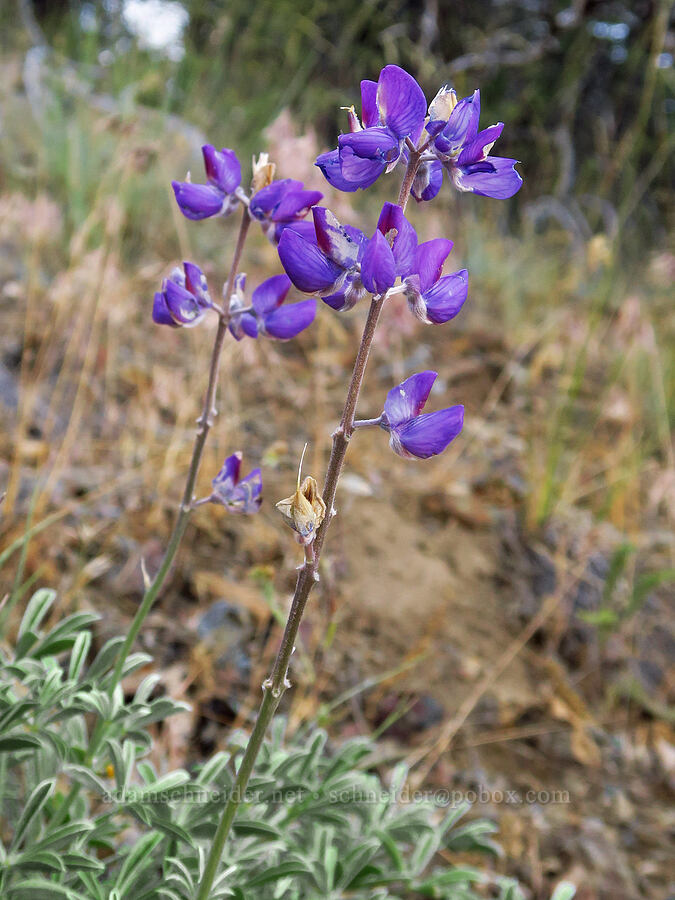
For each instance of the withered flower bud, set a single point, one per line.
(304, 510)
(263, 172)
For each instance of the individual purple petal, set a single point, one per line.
(348, 294)
(479, 147)
(289, 320)
(295, 205)
(429, 259)
(266, 200)
(304, 228)
(222, 168)
(435, 126)
(160, 311)
(228, 476)
(182, 305)
(308, 268)
(246, 496)
(243, 325)
(494, 177)
(195, 282)
(335, 240)
(405, 401)
(369, 113)
(378, 267)
(428, 434)
(462, 125)
(360, 173)
(445, 299)
(371, 143)
(270, 294)
(400, 101)
(428, 180)
(404, 243)
(198, 201)
(329, 163)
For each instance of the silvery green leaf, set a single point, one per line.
(16, 713)
(39, 860)
(12, 742)
(139, 858)
(63, 636)
(65, 834)
(40, 889)
(78, 656)
(36, 610)
(263, 830)
(37, 799)
(212, 770)
(146, 687)
(27, 640)
(84, 776)
(80, 862)
(105, 658)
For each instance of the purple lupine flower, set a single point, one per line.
(330, 264)
(413, 434)
(237, 495)
(267, 314)
(282, 204)
(217, 197)
(184, 299)
(392, 110)
(464, 151)
(433, 297)
(383, 262)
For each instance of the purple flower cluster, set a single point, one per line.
(342, 265)
(394, 112)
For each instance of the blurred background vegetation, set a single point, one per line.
(546, 530)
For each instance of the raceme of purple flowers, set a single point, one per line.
(236, 494)
(339, 262)
(267, 313)
(394, 111)
(342, 265)
(412, 433)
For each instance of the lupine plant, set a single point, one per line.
(302, 822)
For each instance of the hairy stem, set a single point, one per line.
(308, 576)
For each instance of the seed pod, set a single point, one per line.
(304, 510)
